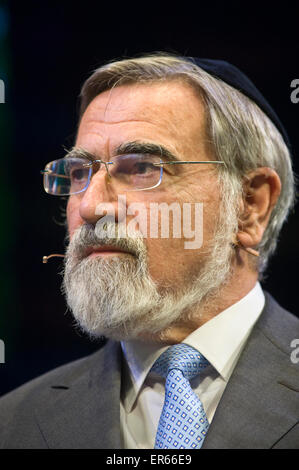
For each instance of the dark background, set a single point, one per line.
(47, 50)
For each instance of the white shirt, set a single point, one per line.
(220, 340)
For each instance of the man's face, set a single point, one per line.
(169, 115)
(146, 289)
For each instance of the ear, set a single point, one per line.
(261, 191)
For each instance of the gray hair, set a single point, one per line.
(240, 132)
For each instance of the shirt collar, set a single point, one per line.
(139, 358)
(220, 340)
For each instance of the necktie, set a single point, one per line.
(183, 423)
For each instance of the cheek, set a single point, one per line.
(170, 264)
(169, 261)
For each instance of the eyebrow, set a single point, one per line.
(78, 152)
(146, 148)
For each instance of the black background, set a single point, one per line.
(53, 48)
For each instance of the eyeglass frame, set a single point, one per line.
(92, 162)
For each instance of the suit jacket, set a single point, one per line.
(77, 406)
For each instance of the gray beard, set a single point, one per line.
(116, 297)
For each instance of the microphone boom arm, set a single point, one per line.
(46, 258)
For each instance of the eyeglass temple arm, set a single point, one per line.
(44, 172)
(178, 162)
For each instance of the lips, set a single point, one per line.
(104, 250)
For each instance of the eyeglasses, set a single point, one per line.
(132, 172)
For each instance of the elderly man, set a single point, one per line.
(196, 354)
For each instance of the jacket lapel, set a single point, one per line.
(83, 411)
(260, 401)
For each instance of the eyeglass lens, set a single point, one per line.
(72, 175)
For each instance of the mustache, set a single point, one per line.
(105, 234)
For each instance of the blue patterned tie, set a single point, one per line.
(183, 423)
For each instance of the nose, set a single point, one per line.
(99, 198)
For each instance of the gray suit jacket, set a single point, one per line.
(77, 406)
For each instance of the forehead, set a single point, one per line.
(167, 113)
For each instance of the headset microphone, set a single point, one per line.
(235, 242)
(45, 258)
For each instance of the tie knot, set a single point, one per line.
(182, 357)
